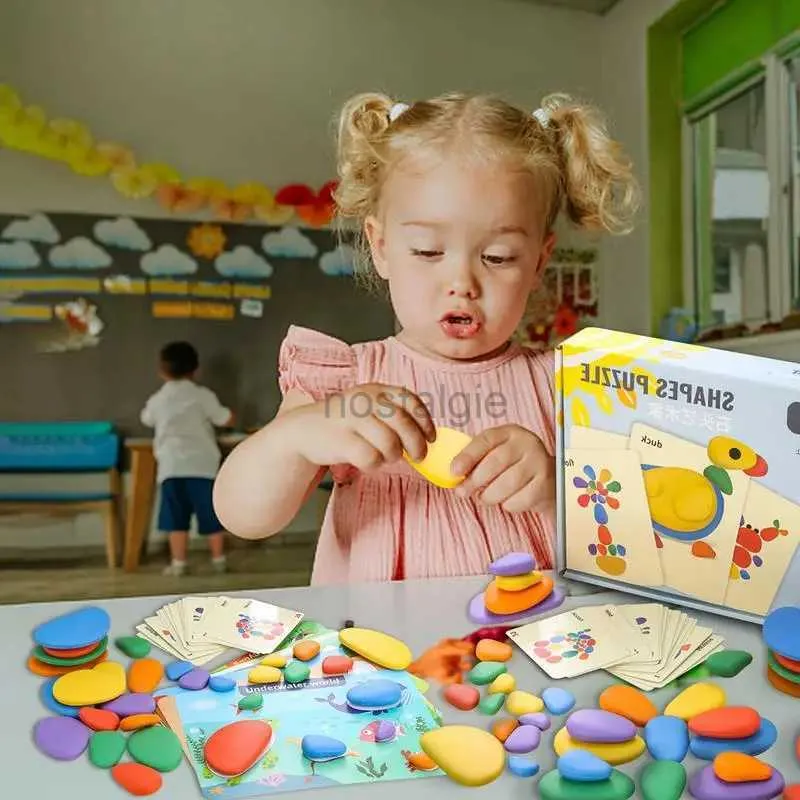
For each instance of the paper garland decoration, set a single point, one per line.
(28, 129)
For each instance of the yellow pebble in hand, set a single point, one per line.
(503, 684)
(435, 467)
(519, 703)
(517, 583)
(274, 660)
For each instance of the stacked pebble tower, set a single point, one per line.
(517, 591)
(781, 634)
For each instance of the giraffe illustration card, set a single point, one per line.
(765, 545)
(696, 495)
(607, 517)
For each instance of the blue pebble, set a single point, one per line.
(759, 742)
(667, 738)
(522, 767)
(51, 704)
(177, 669)
(781, 631)
(583, 766)
(220, 683)
(557, 700)
(375, 695)
(78, 628)
(322, 748)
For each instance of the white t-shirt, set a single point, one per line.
(184, 415)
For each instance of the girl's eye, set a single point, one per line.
(426, 253)
(498, 261)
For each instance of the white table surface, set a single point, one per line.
(419, 612)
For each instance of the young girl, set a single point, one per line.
(456, 199)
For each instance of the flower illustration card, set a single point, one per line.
(573, 643)
(695, 506)
(607, 517)
(250, 625)
(765, 545)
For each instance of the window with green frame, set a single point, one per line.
(723, 114)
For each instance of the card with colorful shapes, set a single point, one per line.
(573, 643)
(608, 518)
(768, 535)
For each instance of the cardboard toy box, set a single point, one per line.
(679, 472)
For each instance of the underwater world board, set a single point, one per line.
(317, 707)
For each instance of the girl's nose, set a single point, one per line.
(462, 283)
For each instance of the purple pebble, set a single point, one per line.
(62, 738)
(195, 680)
(130, 704)
(706, 785)
(523, 739)
(596, 725)
(385, 732)
(477, 612)
(539, 720)
(513, 564)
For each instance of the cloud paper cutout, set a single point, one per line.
(36, 228)
(18, 255)
(122, 232)
(340, 261)
(168, 260)
(243, 262)
(79, 253)
(288, 243)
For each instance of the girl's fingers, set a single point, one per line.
(414, 407)
(488, 469)
(411, 436)
(507, 484)
(476, 451)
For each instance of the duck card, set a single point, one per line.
(696, 497)
(765, 545)
(608, 517)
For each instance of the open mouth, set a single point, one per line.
(459, 324)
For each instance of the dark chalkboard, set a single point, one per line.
(112, 380)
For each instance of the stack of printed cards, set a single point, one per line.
(199, 629)
(647, 645)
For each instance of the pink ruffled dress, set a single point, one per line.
(392, 524)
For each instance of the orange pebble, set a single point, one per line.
(144, 675)
(492, 650)
(306, 650)
(628, 702)
(503, 728)
(728, 722)
(50, 670)
(499, 602)
(421, 761)
(792, 792)
(735, 767)
(137, 721)
(462, 696)
(137, 779)
(783, 685)
(98, 719)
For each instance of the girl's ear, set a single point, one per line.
(373, 228)
(547, 250)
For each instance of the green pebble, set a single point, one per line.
(696, 673)
(492, 703)
(728, 663)
(75, 661)
(251, 702)
(618, 787)
(663, 780)
(106, 748)
(484, 672)
(296, 672)
(157, 747)
(779, 669)
(133, 646)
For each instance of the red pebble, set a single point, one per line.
(730, 722)
(98, 719)
(603, 535)
(462, 696)
(791, 792)
(237, 747)
(497, 632)
(741, 557)
(749, 539)
(137, 779)
(337, 665)
(790, 663)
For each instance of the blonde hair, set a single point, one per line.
(583, 170)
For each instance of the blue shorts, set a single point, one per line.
(182, 498)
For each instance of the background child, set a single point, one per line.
(184, 415)
(455, 200)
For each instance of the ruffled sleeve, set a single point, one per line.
(315, 363)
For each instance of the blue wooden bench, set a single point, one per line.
(65, 448)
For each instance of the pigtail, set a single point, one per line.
(600, 191)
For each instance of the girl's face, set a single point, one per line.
(462, 245)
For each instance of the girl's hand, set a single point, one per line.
(508, 466)
(367, 426)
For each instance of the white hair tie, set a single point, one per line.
(396, 110)
(543, 117)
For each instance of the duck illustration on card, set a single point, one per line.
(696, 494)
(607, 517)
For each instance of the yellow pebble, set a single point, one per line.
(264, 675)
(519, 703)
(377, 647)
(436, 464)
(503, 684)
(88, 687)
(470, 756)
(612, 753)
(275, 660)
(695, 699)
(517, 583)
